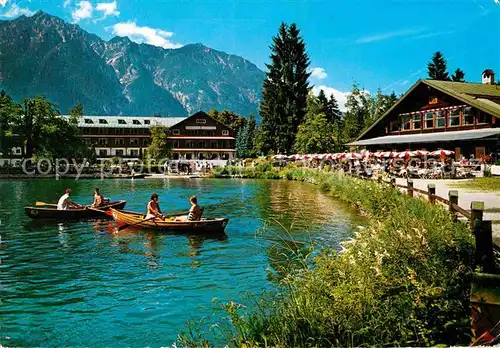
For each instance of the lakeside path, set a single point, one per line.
(465, 197)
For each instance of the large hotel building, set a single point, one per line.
(197, 137)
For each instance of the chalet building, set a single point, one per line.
(458, 116)
(195, 137)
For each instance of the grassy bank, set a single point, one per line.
(403, 280)
(481, 184)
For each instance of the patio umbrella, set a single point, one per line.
(279, 156)
(340, 155)
(405, 154)
(420, 153)
(366, 154)
(389, 154)
(353, 156)
(442, 152)
(378, 154)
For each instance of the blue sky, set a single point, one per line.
(379, 43)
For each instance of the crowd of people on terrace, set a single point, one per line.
(408, 164)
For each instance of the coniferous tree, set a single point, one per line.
(458, 76)
(245, 142)
(285, 90)
(436, 69)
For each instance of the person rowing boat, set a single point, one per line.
(65, 202)
(153, 209)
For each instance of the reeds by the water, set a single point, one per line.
(404, 280)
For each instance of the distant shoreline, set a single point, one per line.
(96, 177)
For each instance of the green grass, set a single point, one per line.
(480, 184)
(404, 280)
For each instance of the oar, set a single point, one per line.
(39, 204)
(137, 223)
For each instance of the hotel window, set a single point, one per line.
(429, 120)
(119, 153)
(440, 119)
(189, 144)
(134, 153)
(103, 141)
(88, 121)
(176, 132)
(134, 141)
(145, 141)
(417, 122)
(147, 122)
(136, 122)
(119, 141)
(454, 118)
(468, 116)
(103, 153)
(483, 117)
(122, 122)
(201, 121)
(102, 121)
(405, 121)
(176, 144)
(225, 132)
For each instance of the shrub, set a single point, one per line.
(403, 280)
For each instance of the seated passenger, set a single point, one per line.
(194, 211)
(98, 199)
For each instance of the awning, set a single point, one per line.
(429, 137)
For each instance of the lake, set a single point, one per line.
(83, 284)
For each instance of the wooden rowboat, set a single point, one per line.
(50, 212)
(123, 218)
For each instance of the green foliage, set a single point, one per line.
(316, 134)
(403, 280)
(285, 90)
(436, 69)
(245, 140)
(159, 148)
(9, 111)
(458, 76)
(229, 119)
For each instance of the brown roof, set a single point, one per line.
(484, 97)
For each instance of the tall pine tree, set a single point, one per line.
(436, 69)
(284, 94)
(458, 76)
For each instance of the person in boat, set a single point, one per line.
(65, 202)
(99, 199)
(153, 209)
(194, 211)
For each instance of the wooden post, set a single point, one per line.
(410, 187)
(484, 245)
(453, 199)
(476, 210)
(431, 192)
(393, 182)
(379, 178)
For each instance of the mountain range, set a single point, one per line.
(45, 54)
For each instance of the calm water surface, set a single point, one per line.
(82, 284)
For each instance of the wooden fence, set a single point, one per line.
(482, 229)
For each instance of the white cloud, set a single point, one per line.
(497, 2)
(340, 96)
(389, 35)
(318, 73)
(152, 36)
(16, 11)
(66, 3)
(3, 3)
(108, 9)
(83, 11)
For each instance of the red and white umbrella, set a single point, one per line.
(378, 154)
(353, 156)
(389, 154)
(305, 157)
(366, 154)
(420, 153)
(323, 156)
(294, 157)
(405, 154)
(340, 155)
(279, 157)
(442, 152)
